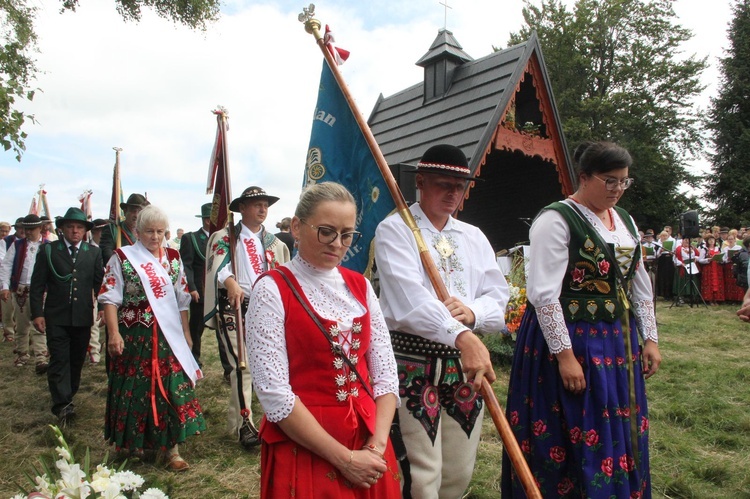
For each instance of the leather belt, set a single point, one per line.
(413, 344)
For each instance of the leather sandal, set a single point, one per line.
(176, 463)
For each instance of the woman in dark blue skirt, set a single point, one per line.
(588, 340)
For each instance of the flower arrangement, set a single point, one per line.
(71, 480)
(517, 287)
(530, 128)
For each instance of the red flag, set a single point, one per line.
(339, 55)
(43, 206)
(85, 200)
(33, 209)
(218, 175)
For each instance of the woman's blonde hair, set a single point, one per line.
(315, 194)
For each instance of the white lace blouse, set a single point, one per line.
(330, 298)
(550, 238)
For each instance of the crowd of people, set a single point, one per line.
(363, 394)
(711, 266)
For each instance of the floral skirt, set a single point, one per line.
(578, 445)
(145, 412)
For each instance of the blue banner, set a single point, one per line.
(338, 152)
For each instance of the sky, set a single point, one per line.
(150, 88)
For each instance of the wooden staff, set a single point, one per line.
(118, 237)
(312, 26)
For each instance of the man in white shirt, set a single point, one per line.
(649, 257)
(9, 315)
(441, 362)
(175, 242)
(228, 288)
(15, 278)
(95, 343)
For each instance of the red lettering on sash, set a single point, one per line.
(154, 281)
(252, 254)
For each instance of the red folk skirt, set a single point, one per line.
(712, 282)
(732, 292)
(290, 470)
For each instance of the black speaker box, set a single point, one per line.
(689, 224)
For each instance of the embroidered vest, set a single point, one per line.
(135, 308)
(18, 260)
(317, 376)
(589, 288)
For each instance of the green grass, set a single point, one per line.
(699, 405)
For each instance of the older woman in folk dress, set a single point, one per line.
(316, 337)
(151, 404)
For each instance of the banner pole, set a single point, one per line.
(313, 26)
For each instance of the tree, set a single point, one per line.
(18, 42)
(616, 75)
(729, 122)
(17, 69)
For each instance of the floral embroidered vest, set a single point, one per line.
(317, 374)
(135, 308)
(589, 288)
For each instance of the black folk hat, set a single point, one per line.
(250, 194)
(74, 215)
(205, 211)
(445, 159)
(100, 223)
(135, 200)
(19, 223)
(30, 221)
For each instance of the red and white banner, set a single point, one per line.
(218, 175)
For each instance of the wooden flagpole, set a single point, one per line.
(510, 443)
(117, 194)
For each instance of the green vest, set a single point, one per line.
(589, 288)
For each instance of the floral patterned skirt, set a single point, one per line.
(578, 445)
(138, 415)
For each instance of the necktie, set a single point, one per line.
(73, 251)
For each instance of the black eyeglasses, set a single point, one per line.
(611, 183)
(327, 235)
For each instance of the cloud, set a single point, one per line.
(149, 88)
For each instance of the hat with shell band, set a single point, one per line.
(251, 194)
(445, 159)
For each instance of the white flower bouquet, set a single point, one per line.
(71, 480)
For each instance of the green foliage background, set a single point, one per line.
(729, 122)
(617, 74)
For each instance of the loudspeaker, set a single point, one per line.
(689, 224)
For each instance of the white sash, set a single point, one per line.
(160, 293)
(254, 262)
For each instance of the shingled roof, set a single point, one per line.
(474, 105)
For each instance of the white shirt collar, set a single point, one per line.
(68, 244)
(424, 223)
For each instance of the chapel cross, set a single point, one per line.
(445, 21)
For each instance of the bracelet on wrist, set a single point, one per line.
(373, 448)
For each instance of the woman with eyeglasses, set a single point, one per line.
(577, 400)
(322, 363)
